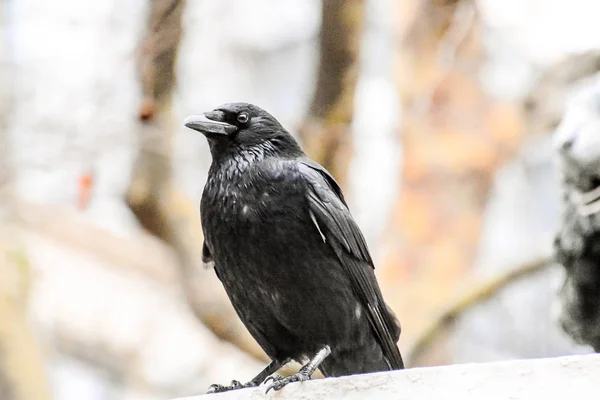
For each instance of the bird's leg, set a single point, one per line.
(257, 380)
(303, 375)
(271, 368)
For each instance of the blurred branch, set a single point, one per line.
(325, 133)
(544, 106)
(158, 55)
(143, 255)
(478, 294)
(116, 366)
(462, 22)
(159, 207)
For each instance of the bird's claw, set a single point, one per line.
(280, 381)
(269, 378)
(216, 388)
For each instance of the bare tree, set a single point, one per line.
(326, 130)
(159, 207)
(455, 136)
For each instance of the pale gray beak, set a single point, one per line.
(210, 123)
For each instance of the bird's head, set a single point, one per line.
(242, 126)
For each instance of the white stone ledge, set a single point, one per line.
(573, 377)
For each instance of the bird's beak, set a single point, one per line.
(210, 123)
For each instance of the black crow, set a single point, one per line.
(293, 261)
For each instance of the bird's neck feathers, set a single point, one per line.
(232, 170)
(240, 156)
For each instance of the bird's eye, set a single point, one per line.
(243, 118)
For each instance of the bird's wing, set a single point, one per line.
(337, 227)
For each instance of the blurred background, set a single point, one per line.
(436, 116)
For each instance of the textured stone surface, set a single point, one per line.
(550, 378)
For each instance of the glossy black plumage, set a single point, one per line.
(291, 257)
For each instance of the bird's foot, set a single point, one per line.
(278, 382)
(216, 388)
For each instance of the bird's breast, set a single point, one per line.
(238, 204)
(257, 220)
(249, 203)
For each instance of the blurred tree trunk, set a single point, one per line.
(158, 205)
(326, 131)
(455, 136)
(22, 375)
